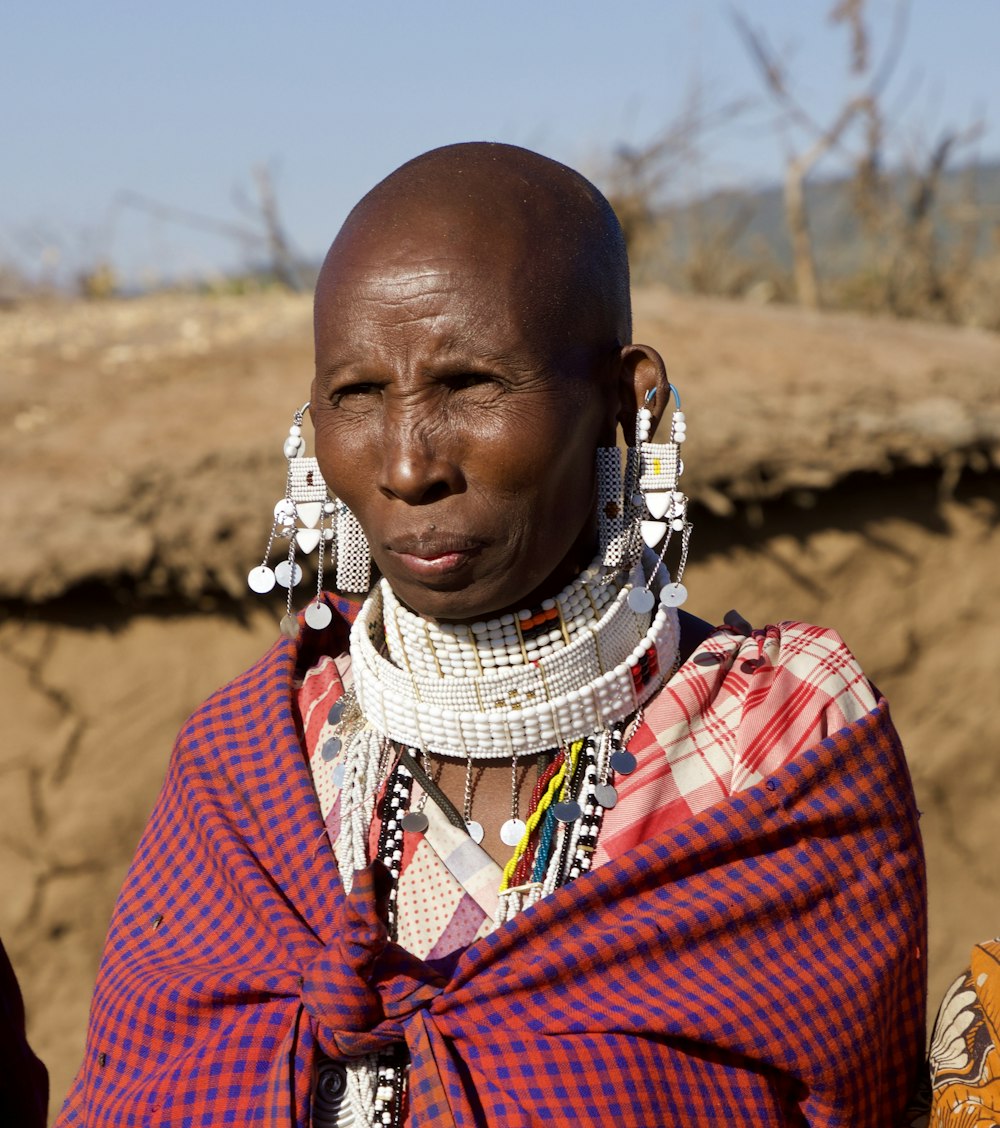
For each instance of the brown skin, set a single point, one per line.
(458, 418)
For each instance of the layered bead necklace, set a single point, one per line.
(569, 678)
(518, 684)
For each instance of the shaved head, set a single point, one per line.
(503, 206)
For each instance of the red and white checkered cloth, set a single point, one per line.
(738, 709)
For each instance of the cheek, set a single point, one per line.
(345, 452)
(545, 482)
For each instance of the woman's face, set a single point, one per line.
(460, 435)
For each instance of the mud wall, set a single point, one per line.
(845, 470)
(94, 692)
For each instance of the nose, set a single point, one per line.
(416, 465)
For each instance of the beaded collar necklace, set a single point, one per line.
(504, 688)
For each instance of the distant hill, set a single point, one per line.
(749, 225)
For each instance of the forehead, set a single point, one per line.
(435, 283)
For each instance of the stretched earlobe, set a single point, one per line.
(643, 384)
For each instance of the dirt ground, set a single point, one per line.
(846, 471)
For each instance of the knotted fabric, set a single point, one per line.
(761, 963)
(360, 989)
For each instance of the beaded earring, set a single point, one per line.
(612, 540)
(354, 558)
(311, 518)
(658, 505)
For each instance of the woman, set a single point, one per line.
(525, 843)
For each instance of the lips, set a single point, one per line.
(434, 555)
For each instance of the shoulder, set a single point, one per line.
(804, 665)
(760, 696)
(260, 703)
(776, 657)
(819, 660)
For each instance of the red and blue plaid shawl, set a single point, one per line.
(763, 963)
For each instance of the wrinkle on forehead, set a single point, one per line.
(405, 283)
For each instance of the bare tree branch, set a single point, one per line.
(283, 261)
(269, 237)
(226, 228)
(863, 105)
(851, 12)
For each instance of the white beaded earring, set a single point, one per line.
(659, 506)
(312, 519)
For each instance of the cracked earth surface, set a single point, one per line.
(847, 475)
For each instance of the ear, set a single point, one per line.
(641, 371)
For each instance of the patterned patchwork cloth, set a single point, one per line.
(448, 885)
(750, 950)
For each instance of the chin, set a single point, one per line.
(447, 602)
(455, 598)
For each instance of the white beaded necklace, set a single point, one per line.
(478, 692)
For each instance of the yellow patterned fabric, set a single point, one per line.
(965, 1047)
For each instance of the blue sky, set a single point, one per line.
(179, 101)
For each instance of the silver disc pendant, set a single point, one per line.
(288, 576)
(415, 821)
(623, 762)
(475, 830)
(331, 748)
(289, 626)
(641, 600)
(261, 579)
(567, 812)
(606, 795)
(512, 832)
(673, 595)
(318, 616)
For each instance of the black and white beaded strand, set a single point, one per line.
(584, 834)
(395, 820)
(597, 797)
(390, 1070)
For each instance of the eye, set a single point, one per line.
(462, 381)
(353, 395)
